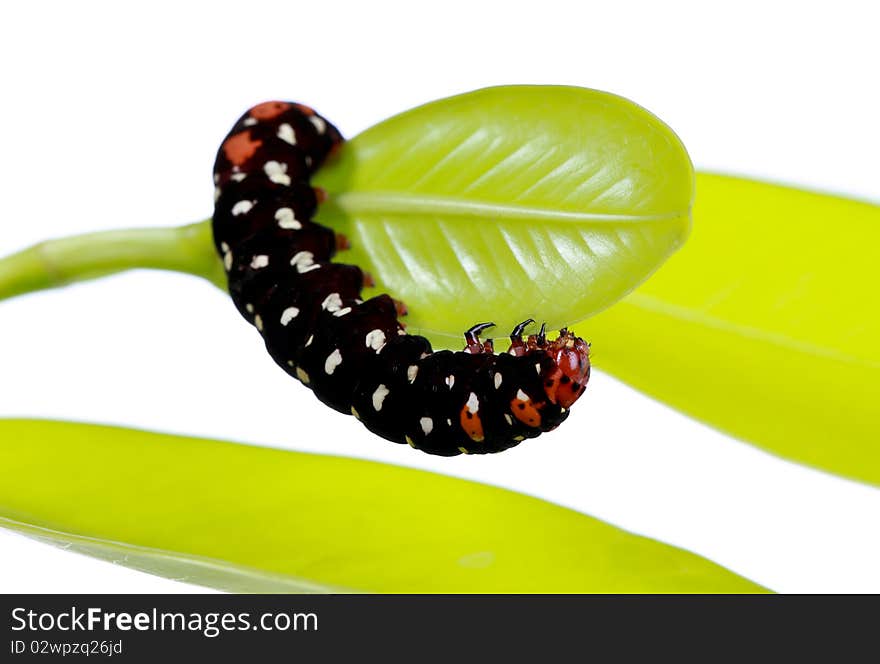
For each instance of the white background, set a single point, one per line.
(111, 117)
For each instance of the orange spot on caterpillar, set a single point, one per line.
(526, 411)
(269, 109)
(472, 425)
(240, 147)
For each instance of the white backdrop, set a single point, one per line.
(112, 115)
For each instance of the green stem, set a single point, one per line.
(63, 261)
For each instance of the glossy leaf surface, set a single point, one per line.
(256, 519)
(766, 324)
(510, 203)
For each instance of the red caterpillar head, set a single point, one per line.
(569, 379)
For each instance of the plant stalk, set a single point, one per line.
(63, 261)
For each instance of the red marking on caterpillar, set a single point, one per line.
(268, 110)
(239, 148)
(355, 355)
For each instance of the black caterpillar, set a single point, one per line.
(354, 354)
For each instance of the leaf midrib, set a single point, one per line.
(399, 203)
(65, 539)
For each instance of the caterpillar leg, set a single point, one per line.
(472, 341)
(400, 307)
(369, 282)
(517, 346)
(538, 341)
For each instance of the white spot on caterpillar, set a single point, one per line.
(379, 397)
(463, 450)
(291, 363)
(242, 207)
(259, 261)
(427, 425)
(216, 178)
(376, 340)
(250, 122)
(333, 360)
(309, 341)
(286, 133)
(304, 261)
(409, 441)
(216, 193)
(249, 308)
(411, 372)
(288, 315)
(449, 421)
(473, 403)
(238, 177)
(302, 375)
(320, 125)
(332, 302)
(522, 396)
(538, 368)
(509, 419)
(315, 266)
(276, 172)
(401, 333)
(519, 438)
(498, 380)
(356, 414)
(308, 161)
(342, 312)
(258, 322)
(450, 381)
(227, 256)
(286, 220)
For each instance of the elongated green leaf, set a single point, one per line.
(765, 325)
(256, 519)
(514, 202)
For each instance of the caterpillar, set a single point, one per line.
(356, 355)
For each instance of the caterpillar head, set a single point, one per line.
(572, 357)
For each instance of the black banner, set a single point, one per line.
(287, 628)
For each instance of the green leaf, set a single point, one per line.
(256, 519)
(766, 325)
(510, 203)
